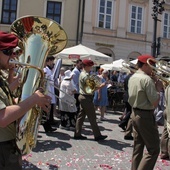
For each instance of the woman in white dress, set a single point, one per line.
(67, 111)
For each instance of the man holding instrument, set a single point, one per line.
(86, 104)
(144, 98)
(10, 157)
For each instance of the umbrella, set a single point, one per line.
(82, 52)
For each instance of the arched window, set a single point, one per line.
(133, 55)
(107, 51)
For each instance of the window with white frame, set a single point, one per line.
(136, 19)
(105, 14)
(54, 10)
(166, 25)
(9, 11)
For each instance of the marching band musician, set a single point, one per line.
(10, 157)
(144, 98)
(86, 105)
(165, 138)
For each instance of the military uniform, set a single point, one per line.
(142, 95)
(86, 108)
(165, 138)
(10, 157)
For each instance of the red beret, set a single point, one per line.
(87, 62)
(144, 58)
(7, 40)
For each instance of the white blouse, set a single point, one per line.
(50, 85)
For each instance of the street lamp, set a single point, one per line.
(157, 9)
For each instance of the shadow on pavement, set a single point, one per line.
(89, 132)
(50, 145)
(115, 112)
(115, 144)
(53, 167)
(29, 166)
(59, 135)
(113, 121)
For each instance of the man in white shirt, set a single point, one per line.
(76, 73)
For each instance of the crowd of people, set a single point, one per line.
(77, 97)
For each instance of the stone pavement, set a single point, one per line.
(59, 151)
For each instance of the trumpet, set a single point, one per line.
(130, 66)
(161, 69)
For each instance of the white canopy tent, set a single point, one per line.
(83, 52)
(115, 65)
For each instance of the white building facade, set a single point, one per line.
(119, 28)
(124, 28)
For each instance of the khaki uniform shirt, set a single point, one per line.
(167, 102)
(8, 132)
(82, 81)
(142, 91)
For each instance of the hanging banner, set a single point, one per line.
(74, 56)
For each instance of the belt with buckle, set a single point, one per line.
(142, 109)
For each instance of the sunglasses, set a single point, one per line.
(8, 52)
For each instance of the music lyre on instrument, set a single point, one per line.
(92, 83)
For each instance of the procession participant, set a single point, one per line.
(76, 73)
(10, 157)
(61, 75)
(10, 75)
(51, 92)
(165, 137)
(144, 97)
(68, 111)
(126, 122)
(100, 99)
(48, 70)
(86, 105)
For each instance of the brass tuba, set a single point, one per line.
(39, 37)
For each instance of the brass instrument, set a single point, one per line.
(70, 100)
(130, 66)
(39, 37)
(160, 70)
(92, 83)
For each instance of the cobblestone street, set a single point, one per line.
(58, 150)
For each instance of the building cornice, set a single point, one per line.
(167, 2)
(139, 1)
(167, 5)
